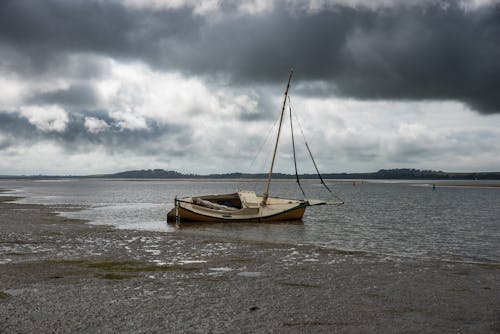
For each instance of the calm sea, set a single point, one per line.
(396, 218)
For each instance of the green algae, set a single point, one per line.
(299, 285)
(402, 310)
(207, 278)
(114, 276)
(458, 289)
(123, 266)
(19, 253)
(68, 262)
(242, 260)
(4, 295)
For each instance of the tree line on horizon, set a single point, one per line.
(397, 173)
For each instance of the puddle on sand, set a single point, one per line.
(223, 269)
(191, 261)
(250, 274)
(153, 251)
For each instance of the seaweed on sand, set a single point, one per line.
(114, 276)
(4, 295)
(298, 285)
(124, 266)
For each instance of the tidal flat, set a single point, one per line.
(62, 275)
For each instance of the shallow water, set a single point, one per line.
(393, 217)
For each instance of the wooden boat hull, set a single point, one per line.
(190, 215)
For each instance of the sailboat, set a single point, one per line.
(246, 205)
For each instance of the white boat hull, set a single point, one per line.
(250, 209)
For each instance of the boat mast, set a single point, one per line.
(266, 193)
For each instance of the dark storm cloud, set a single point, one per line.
(46, 31)
(430, 51)
(76, 95)
(14, 127)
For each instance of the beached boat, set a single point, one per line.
(247, 206)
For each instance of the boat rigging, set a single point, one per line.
(247, 206)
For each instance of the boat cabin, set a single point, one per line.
(229, 202)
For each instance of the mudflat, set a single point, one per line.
(60, 275)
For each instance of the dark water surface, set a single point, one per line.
(396, 218)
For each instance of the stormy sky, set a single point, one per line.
(100, 86)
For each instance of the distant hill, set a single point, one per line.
(146, 174)
(391, 174)
(398, 174)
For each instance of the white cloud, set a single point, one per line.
(46, 118)
(95, 125)
(11, 93)
(127, 120)
(199, 7)
(253, 7)
(136, 94)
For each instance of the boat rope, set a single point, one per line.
(251, 167)
(316, 167)
(270, 131)
(310, 153)
(293, 147)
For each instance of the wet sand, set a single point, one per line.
(473, 185)
(62, 275)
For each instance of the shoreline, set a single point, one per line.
(63, 275)
(479, 185)
(60, 208)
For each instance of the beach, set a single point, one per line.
(63, 275)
